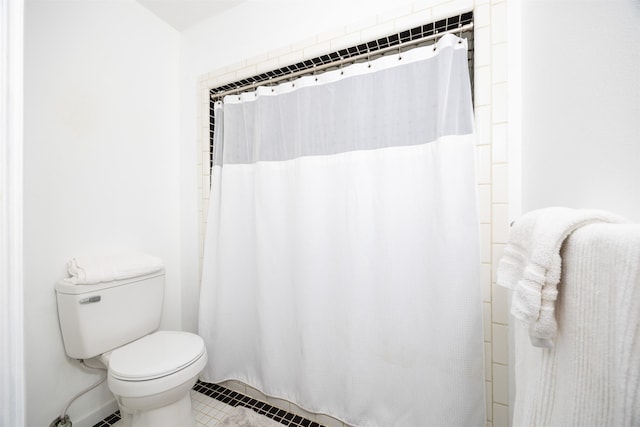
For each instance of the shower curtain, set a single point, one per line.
(341, 266)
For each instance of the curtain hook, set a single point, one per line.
(399, 52)
(368, 58)
(460, 36)
(341, 64)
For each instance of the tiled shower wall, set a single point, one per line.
(490, 69)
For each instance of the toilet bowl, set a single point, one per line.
(150, 372)
(151, 378)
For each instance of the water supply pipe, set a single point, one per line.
(63, 420)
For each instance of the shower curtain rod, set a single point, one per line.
(342, 61)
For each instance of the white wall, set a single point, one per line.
(101, 170)
(12, 396)
(581, 105)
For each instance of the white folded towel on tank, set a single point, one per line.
(531, 264)
(92, 269)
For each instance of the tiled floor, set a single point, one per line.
(211, 403)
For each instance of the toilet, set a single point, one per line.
(150, 372)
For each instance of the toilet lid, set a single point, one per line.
(155, 355)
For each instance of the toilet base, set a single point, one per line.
(178, 413)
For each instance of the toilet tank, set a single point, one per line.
(101, 317)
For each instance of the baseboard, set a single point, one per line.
(97, 415)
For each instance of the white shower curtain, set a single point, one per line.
(341, 267)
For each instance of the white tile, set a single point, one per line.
(482, 15)
(304, 44)
(486, 321)
(332, 34)
(256, 394)
(237, 66)
(206, 410)
(396, 13)
(276, 53)
(499, 23)
(482, 85)
(485, 270)
(413, 20)
(258, 59)
(279, 403)
(499, 63)
(488, 397)
(214, 75)
(450, 8)
(328, 421)
(483, 125)
(318, 49)
(226, 78)
(204, 159)
(483, 164)
(482, 47)
(487, 361)
(484, 203)
(500, 305)
(377, 31)
(500, 345)
(499, 103)
(295, 409)
(485, 243)
(500, 223)
(499, 145)
(291, 58)
(348, 40)
(362, 24)
(496, 253)
(500, 384)
(499, 183)
(267, 65)
(235, 386)
(422, 4)
(500, 415)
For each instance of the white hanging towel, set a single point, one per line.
(591, 377)
(91, 269)
(531, 264)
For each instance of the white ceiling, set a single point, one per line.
(182, 14)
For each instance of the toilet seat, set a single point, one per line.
(155, 363)
(156, 355)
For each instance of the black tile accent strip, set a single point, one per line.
(233, 398)
(110, 420)
(419, 32)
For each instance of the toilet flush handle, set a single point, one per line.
(89, 300)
